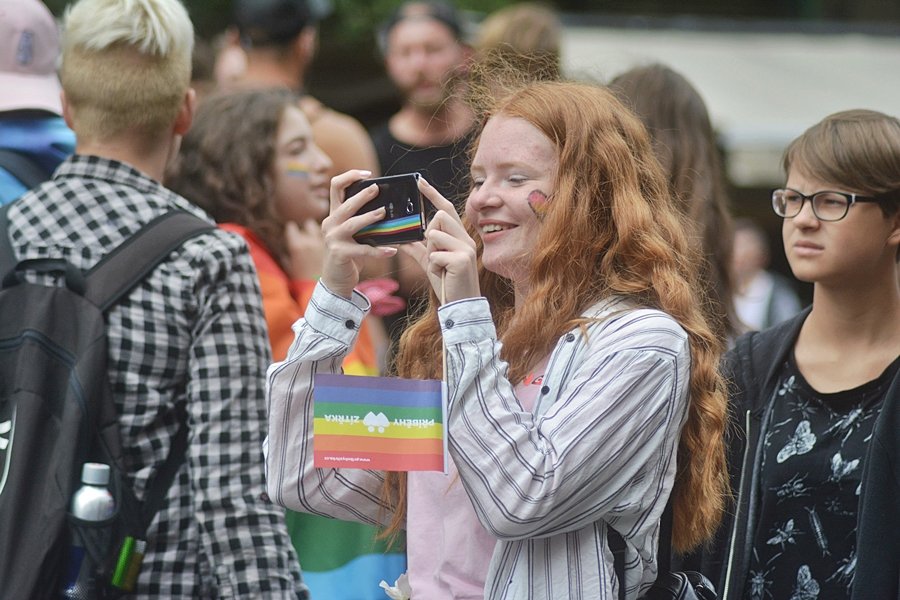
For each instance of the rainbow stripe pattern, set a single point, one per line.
(404, 228)
(295, 168)
(381, 423)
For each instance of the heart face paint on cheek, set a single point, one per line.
(297, 169)
(537, 201)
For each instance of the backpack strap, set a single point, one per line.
(10, 265)
(28, 172)
(617, 547)
(664, 550)
(162, 480)
(115, 275)
(7, 254)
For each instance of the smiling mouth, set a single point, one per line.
(493, 228)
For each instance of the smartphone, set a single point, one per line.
(404, 219)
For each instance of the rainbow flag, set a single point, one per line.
(344, 560)
(382, 423)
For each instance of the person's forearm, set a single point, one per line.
(323, 339)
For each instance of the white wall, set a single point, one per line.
(762, 89)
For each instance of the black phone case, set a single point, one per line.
(404, 220)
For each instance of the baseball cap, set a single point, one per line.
(268, 21)
(29, 48)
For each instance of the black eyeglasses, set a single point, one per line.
(826, 205)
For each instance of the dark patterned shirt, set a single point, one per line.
(805, 541)
(192, 332)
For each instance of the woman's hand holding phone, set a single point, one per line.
(401, 199)
(344, 257)
(448, 253)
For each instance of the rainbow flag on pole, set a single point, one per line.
(381, 423)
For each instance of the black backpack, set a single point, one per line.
(57, 412)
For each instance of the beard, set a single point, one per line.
(431, 98)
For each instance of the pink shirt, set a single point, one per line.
(448, 551)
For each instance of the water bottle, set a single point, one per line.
(92, 502)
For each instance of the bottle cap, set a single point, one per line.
(95, 474)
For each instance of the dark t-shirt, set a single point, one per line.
(805, 540)
(444, 167)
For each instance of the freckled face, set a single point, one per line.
(513, 175)
(300, 170)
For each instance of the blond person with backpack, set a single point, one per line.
(190, 338)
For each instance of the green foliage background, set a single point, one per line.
(351, 20)
(348, 73)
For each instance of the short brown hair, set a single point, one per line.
(857, 149)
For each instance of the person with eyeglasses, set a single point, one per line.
(816, 400)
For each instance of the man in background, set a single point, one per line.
(426, 56)
(34, 138)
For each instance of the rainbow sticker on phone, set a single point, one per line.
(404, 207)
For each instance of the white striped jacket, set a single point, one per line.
(599, 446)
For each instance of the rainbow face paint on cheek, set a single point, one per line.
(537, 201)
(295, 168)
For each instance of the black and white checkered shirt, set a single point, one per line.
(193, 332)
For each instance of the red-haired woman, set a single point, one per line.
(579, 364)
